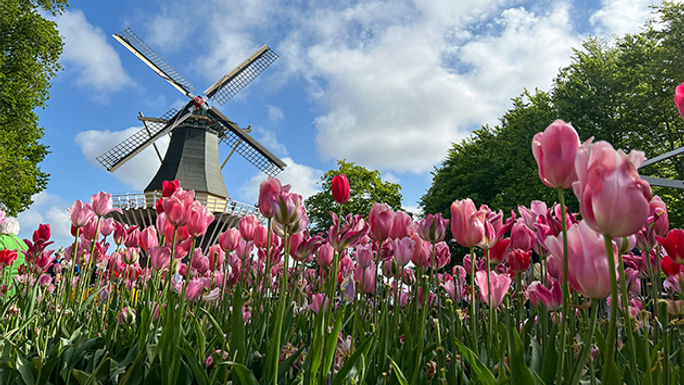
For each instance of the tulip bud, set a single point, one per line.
(340, 188)
(126, 316)
(554, 150)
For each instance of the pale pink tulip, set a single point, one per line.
(349, 234)
(80, 213)
(365, 278)
(555, 150)
(364, 255)
(467, 223)
(613, 198)
(325, 255)
(247, 225)
(499, 283)
(160, 257)
(403, 250)
(552, 298)
(537, 208)
(317, 301)
(588, 270)
(175, 210)
(422, 251)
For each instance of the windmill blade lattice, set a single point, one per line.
(136, 45)
(236, 80)
(137, 142)
(248, 147)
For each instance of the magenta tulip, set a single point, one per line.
(500, 284)
(467, 223)
(433, 228)
(380, 221)
(679, 99)
(613, 198)
(555, 150)
(348, 235)
(674, 245)
(588, 270)
(340, 188)
(169, 187)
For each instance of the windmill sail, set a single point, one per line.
(248, 147)
(140, 49)
(122, 152)
(228, 86)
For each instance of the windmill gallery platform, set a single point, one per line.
(192, 156)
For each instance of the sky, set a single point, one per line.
(389, 85)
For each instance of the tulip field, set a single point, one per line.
(544, 296)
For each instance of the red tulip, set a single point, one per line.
(169, 187)
(613, 198)
(679, 99)
(670, 268)
(7, 257)
(499, 252)
(340, 188)
(519, 260)
(554, 150)
(42, 233)
(674, 245)
(467, 223)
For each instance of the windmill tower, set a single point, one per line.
(196, 132)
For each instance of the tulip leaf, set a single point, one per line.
(400, 375)
(361, 351)
(520, 373)
(476, 366)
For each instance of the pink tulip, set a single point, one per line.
(247, 225)
(132, 237)
(229, 239)
(261, 236)
(199, 262)
(269, 190)
(522, 237)
(317, 301)
(340, 188)
(325, 255)
(149, 238)
(287, 208)
(380, 221)
(658, 217)
(433, 228)
(364, 255)
(160, 257)
(422, 251)
(126, 316)
(499, 283)
(555, 150)
(588, 270)
(674, 245)
(537, 209)
(467, 223)
(351, 233)
(443, 255)
(679, 99)
(199, 219)
(455, 289)
(613, 198)
(400, 225)
(89, 230)
(216, 257)
(102, 204)
(175, 210)
(365, 278)
(552, 298)
(403, 250)
(80, 213)
(106, 226)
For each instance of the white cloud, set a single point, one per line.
(275, 113)
(49, 209)
(303, 179)
(139, 170)
(86, 49)
(269, 140)
(619, 17)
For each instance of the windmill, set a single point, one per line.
(196, 132)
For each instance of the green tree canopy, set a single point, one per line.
(29, 48)
(365, 188)
(622, 93)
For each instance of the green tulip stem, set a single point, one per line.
(566, 291)
(609, 356)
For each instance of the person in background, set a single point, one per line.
(9, 240)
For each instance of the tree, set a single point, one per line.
(30, 46)
(621, 93)
(365, 188)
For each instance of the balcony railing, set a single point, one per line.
(217, 205)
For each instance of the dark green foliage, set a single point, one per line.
(29, 48)
(622, 93)
(365, 188)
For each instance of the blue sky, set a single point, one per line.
(388, 85)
